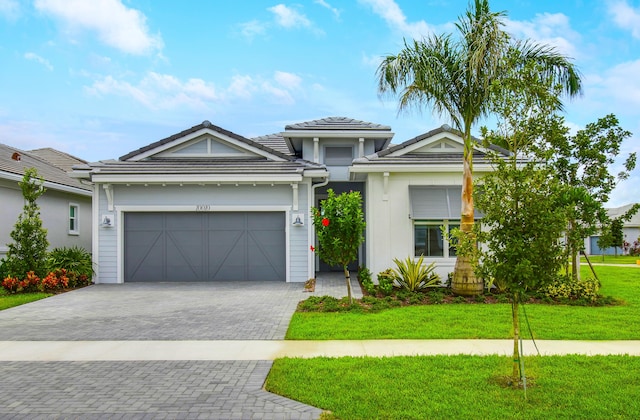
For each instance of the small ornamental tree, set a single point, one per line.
(523, 202)
(340, 230)
(28, 251)
(524, 218)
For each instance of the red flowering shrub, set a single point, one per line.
(56, 279)
(10, 284)
(30, 283)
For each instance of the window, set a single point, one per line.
(428, 240)
(74, 226)
(338, 155)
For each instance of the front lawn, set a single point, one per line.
(462, 387)
(611, 259)
(553, 322)
(11, 300)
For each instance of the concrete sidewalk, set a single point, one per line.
(227, 350)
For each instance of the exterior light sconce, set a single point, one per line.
(107, 220)
(298, 219)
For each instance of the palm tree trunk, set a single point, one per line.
(465, 281)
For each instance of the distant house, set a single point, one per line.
(207, 204)
(65, 208)
(630, 231)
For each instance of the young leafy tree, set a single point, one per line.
(340, 230)
(28, 252)
(523, 217)
(582, 162)
(455, 76)
(522, 200)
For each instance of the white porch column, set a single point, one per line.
(316, 150)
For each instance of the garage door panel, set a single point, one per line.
(225, 246)
(184, 259)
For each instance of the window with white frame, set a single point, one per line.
(429, 241)
(74, 225)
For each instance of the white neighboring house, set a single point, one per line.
(65, 208)
(207, 204)
(630, 231)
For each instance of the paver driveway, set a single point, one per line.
(145, 389)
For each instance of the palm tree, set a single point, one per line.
(455, 76)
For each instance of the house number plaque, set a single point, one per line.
(203, 207)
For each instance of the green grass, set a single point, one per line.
(462, 387)
(9, 301)
(611, 259)
(553, 322)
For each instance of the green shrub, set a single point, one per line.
(75, 260)
(566, 288)
(28, 249)
(364, 276)
(412, 275)
(385, 281)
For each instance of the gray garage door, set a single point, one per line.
(204, 246)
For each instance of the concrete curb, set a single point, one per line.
(151, 350)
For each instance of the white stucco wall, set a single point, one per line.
(260, 197)
(389, 228)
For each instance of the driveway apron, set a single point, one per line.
(150, 389)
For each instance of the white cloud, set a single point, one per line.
(619, 84)
(277, 95)
(9, 8)
(371, 61)
(326, 5)
(162, 91)
(252, 28)
(288, 17)
(626, 17)
(287, 80)
(241, 87)
(35, 57)
(115, 24)
(159, 91)
(548, 28)
(396, 19)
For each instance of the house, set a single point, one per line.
(630, 231)
(207, 204)
(65, 207)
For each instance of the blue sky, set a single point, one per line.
(100, 78)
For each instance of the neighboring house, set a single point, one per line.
(207, 204)
(65, 208)
(630, 231)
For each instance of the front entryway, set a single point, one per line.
(219, 246)
(321, 194)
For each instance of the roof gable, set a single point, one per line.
(204, 141)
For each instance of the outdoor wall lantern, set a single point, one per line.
(107, 220)
(298, 219)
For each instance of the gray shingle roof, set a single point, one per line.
(337, 123)
(47, 170)
(202, 166)
(57, 158)
(204, 124)
(275, 142)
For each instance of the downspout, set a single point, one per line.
(312, 229)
